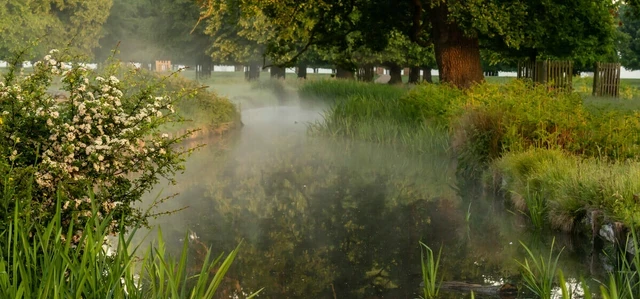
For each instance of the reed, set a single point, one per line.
(430, 268)
(38, 261)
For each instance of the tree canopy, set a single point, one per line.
(34, 27)
(582, 30)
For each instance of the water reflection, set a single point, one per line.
(335, 219)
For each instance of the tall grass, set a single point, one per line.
(537, 207)
(624, 281)
(570, 186)
(430, 268)
(335, 91)
(38, 261)
(539, 272)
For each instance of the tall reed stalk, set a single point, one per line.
(38, 261)
(539, 273)
(430, 268)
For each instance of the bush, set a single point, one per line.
(105, 136)
(203, 108)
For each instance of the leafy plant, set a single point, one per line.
(430, 267)
(539, 273)
(100, 133)
(39, 261)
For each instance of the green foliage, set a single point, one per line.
(539, 273)
(629, 47)
(74, 25)
(430, 267)
(571, 185)
(203, 108)
(102, 134)
(38, 260)
(624, 281)
(337, 91)
(374, 112)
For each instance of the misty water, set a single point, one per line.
(326, 218)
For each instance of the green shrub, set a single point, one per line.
(203, 108)
(105, 135)
(437, 104)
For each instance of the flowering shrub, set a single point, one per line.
(103, 137)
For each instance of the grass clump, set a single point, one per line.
(430, 267)
(43, 261)
(539, 273)
(340, 90)
(571, 185)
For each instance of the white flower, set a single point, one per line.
(100, 158)
(165, 135)
(113, 79)
(55, 114)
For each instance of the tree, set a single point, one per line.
(457, 30)
(34, 27)
(629, 33)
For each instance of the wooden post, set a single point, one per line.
(596, 75)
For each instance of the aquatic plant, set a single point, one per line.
(624, 281)
(39, 260)
(430, 267)
(539, 273)
(536, 206)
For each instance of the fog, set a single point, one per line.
(320, 216)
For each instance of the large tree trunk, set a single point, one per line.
(253, 72)
(342, 73)
(426, 75)
(302, 72)
(457, 55)
(277, 72)
(395, 71)
(414, 75)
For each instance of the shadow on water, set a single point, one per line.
(335, 219)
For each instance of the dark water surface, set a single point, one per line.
(323, 218)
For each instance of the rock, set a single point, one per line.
(383, 79)
(607, 232)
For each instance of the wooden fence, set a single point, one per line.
(606, 79)
(163, 66)
(557, 74)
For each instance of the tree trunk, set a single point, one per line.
(426, 75)
(395, 71)
(414, 75)
(302, 72)
(367, 73)
(277, 72)
(253, 72)
(344, 74)
(457, 55)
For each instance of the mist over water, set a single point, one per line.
(325, 218)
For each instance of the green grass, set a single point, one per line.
(430, 276)
(336, 91)
(571, 186)
(43, 261)
(539, 272)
